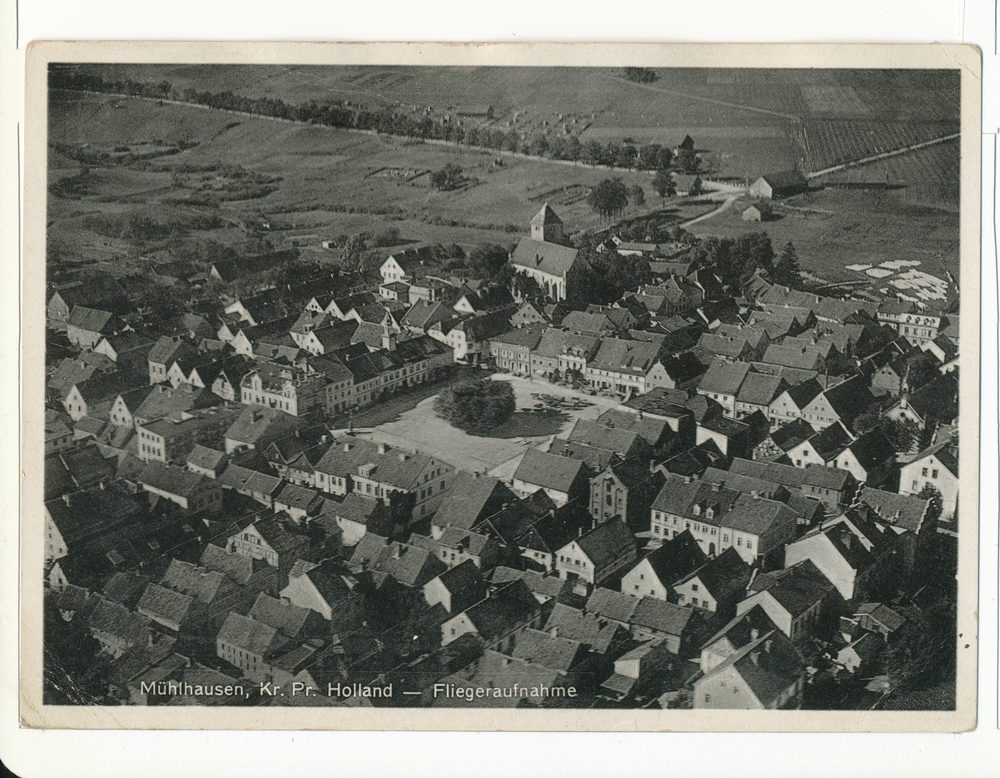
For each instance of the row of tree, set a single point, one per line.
(626, 153)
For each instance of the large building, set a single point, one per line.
(558, 269)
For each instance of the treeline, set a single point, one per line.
(623, 154)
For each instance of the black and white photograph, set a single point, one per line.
(516, 389)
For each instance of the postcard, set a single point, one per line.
(569, 387)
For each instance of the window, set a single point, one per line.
(924, 472)
(694, 587)
(704, 603)
(749, 546)
(725, 538)
(915, 486)
(739, 541)
(934, 474)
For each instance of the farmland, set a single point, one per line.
(316, 183)
(831, 228)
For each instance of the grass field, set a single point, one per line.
(745, 123)
(831, 228)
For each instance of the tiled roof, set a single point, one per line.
(237, 568)
(625, 356)
(760, 389)
(254, 637)
(591, 433)
(661, 616)
(509, 606)
(551, 651)
(289, 620)
(724, 576)
(831, 441)
(114, 619)
(208, 458)
(548, 471)
(724, 377)
(158, 602)
(204, 585)
(409, 565)
(396, 467)
(881, 613)
(676, 558)
(873, 449)
(744, 629)
(90, 319)
(768, 665)
(547, 586)
(612, 605)
(796, 588)
(756, 515)
(461, 577)
(173, 480)
(589, 629)
(470, 499)
(607, 542)
(904, 511)
(548, 258)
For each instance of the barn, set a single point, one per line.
(752, 214)
(784, 184)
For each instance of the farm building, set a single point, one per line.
(752, 214)
(784, 184)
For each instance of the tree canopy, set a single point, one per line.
(448, 177)
(786, 270)
(609, 198)
(477, 406)
(663, 183)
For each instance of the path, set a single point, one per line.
(885, 155)
(724, 207)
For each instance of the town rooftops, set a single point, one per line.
(724, 576)
(590, 629)
(661, 616)
(91, 319)
(607, 542)
(831, 441)
(204, 585)
(625, 356)
(409, 565)
(903, 511)
(612, 605)
(237, 568)
(252, 636)
(471, 498)
(758, 389)
(789, 435)
(881, 613)
(796, 588)
(552, 651)
(548, 471)
(676, 558)
(396, 467)
(724, 378)
(173, 480)
(506, 608)
(290, 620)
(768, 665)
(693, 500)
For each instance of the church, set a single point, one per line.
(558, 269)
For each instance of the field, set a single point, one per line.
(314, 183)
(831, 228)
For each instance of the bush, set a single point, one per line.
(478, 406)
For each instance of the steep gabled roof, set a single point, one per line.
(252, 636)
(676, 558)
(552, 651)
(506, 608)
(546, 257)
(724, 576)
(612, 605)
(724, 377)
(796, 588)
(607, 542)
(548, 471)
(590, 629)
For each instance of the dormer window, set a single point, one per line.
(696, 510)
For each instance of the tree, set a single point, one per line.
(663, 183)
(447, 177)
(478, 406)
(609, 198)
(787, 270)
(488, 259)
(352, 255)
(931, 493)
(637, 196)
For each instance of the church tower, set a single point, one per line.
(546, 226)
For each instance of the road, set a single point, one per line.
(726, 205)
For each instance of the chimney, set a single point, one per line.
(389, 340)
(579, 531)
(347, 447)
(554, 632)
(767, 646)
(397, 552)
(716, 486)
(755, 657)
(381, 448)
(652, 465)
(754, 634)
(66, 498)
